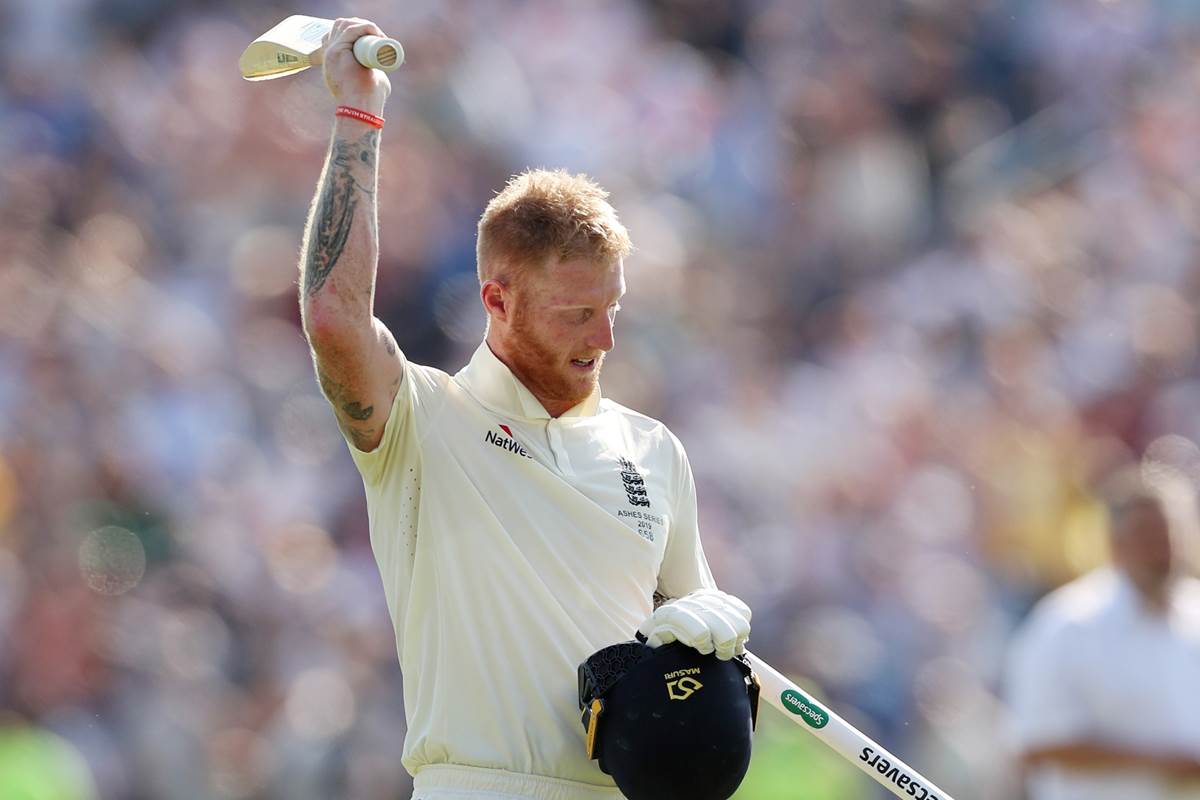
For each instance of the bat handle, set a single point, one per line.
(377, 52)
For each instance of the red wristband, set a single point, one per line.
(360, 115)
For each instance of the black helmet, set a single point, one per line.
(668, 722)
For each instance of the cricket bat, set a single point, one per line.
(847, 741)
(294, 45)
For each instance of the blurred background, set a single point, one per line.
(911, 275)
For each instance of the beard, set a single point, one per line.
(547, 372)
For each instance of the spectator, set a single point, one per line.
(1104, 675)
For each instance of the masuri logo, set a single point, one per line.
(683, 688)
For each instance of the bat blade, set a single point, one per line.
(290, 47)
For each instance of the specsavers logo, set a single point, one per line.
(681, 685)
(807, 710)
(506, 442)
(898, 774)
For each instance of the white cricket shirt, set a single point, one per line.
(512, 546)
(1093, 665)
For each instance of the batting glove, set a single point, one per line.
(707, 619)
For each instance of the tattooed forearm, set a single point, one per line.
(333, 216)
(330, 231)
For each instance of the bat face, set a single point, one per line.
(265, 67)
(285, 49)
(296, 44)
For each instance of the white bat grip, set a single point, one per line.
(846, 740)
(377, 52)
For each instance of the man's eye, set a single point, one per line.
(584, 315)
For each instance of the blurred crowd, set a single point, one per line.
(910, 277)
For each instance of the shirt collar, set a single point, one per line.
(1130, 598)
(492, 383)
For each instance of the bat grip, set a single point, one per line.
(378, 52)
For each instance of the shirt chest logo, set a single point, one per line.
(506, 441)
(635, 486)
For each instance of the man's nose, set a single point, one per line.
(601, 336)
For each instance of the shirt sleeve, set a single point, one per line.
(374, 464)
(392, 477)
(684, 567)
(400, 435)
(1045, 701)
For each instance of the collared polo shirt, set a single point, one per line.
(512, 545)
(1092, 664)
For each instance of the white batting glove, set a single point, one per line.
(707, 619)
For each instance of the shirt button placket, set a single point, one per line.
(557, 448)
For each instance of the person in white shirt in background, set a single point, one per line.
(1104, 676)
(520, 520)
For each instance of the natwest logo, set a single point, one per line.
(506, 442)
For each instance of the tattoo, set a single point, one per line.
(659, 599)
(367, 154)
(357, 412)
(336, 394)
(390, 345)
(336, 208)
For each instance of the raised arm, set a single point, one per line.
(358, 364)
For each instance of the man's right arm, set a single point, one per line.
(358, 363)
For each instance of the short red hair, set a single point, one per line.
(543, 214)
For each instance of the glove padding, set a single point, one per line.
(707, 619)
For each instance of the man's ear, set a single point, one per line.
(496, 299)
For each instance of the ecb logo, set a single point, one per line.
(683, 688)
(635, 485)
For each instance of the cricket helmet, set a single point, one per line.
(669, 722)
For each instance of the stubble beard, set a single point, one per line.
(543, 370)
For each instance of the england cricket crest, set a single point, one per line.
(635, 486)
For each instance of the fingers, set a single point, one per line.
(672, 622)
(660, 636)
(741, 607)
(347, 30)
(715, 598)
(726, 626)
(347, 79)
(707, 620)
(686, 625)
(734, 625)
(723, 629)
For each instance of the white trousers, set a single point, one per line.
(452, 782)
